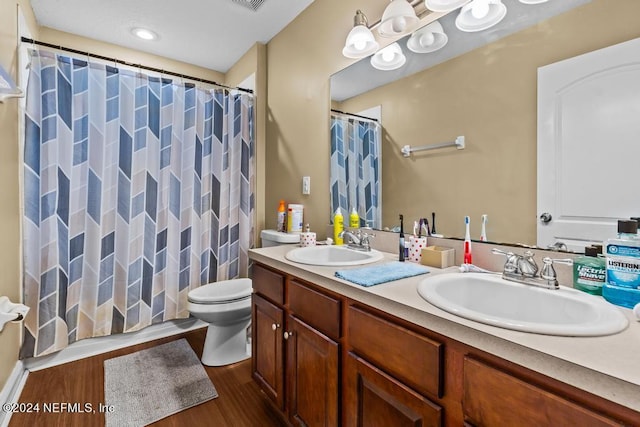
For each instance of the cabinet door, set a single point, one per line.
(375, 399)
(312, 372)
(267, 346)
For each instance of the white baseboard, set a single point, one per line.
(12, 390)
(92, 346)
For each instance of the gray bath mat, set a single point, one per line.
(152, 384)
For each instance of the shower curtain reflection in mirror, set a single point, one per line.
(355, 168)
(137, 189)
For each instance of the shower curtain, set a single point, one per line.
(137, 189)
(355, 168)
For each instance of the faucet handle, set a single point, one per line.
(511, 264)
(548, 272)
(365, 240)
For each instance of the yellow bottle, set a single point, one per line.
(354, 219)
(338, 227)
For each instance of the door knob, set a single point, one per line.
(545, 217)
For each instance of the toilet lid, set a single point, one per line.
(221, 292)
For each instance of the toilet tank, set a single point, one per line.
(277, 238)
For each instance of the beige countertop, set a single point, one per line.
(608, 366)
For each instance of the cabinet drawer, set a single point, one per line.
(316, 309)
(268, 283)
(412, 358)
(493, 398)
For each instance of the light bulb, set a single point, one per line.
(480, 9)
(144, 34)
(387, 55)
(398, 24)
(359, 44)
(427, 39)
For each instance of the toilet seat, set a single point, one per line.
(221, 292)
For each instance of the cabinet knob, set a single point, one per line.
(275, 326)
(287, 335)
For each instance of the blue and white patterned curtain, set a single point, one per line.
(355, 168)
(136, 190)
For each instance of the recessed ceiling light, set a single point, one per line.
(144, 34)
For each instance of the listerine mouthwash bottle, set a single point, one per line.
(623, 266)
(590, 271)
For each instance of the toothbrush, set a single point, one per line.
(402, 245)
(433, 223)
(483, 233)
(425, 227)
(467, 242)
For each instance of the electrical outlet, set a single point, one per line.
(306, 185)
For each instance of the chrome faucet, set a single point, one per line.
(523, 269)
(358, 240)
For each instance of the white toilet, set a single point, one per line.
(277, 238)
(226, 307)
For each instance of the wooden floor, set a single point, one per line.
(240, 402)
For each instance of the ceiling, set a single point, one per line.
(212, 34)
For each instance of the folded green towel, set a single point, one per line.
(376, 274)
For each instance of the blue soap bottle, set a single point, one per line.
(623, 266)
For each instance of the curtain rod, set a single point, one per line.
(354, 115)
(131, 64)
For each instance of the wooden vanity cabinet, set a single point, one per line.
(326, 360)
(296, 349)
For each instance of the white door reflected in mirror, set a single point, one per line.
(588, 109)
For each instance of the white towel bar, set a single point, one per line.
(458, 143)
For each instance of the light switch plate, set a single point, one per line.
(306, 185)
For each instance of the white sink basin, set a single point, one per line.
(492, 300)
(333, 256)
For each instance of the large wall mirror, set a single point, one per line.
(483, 86)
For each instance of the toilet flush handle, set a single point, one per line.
(275, 326)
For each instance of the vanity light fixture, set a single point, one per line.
(428, 38)
(389, 58)
(398, 18)
(444, 5)
(144, 34)
(360, 41)
(533, 1)
(478, 15)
